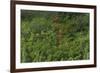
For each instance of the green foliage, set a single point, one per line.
(54, 36)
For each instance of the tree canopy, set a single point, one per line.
(54, 36)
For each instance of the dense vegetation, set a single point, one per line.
(54, 36)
